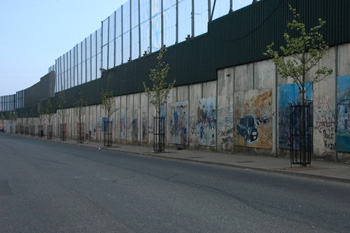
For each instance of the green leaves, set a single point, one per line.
(49, 110)
(79, 107)
(158, 94)
(107, 99)
(2, 119)
(303, 51)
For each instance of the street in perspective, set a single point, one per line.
(175, 116)
(47, 186)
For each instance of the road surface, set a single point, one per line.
(54, 187)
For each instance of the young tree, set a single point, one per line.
(42, 112)
(13, 115)
(13, 118)
(3, 122)
(79, 111)
(107, 99)
(109, 108)
(304, 49)
(49, 111)
(158, 94)
(62, 114)
(61, 106)
(49, 114)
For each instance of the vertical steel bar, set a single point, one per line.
(209, 10)
(139, 25)
(90, 57)
(64, 71)
(81, 60)
(115, 40)
(192, 20)
(85, 61)
(107, 66)
(96, 66)
(73, 67)
(177, 22)
(161, 23)
(150, 26)
(212, 13)
(122, 34)
(101, 46)
(130, 57)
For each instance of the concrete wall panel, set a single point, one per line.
(123, 119)
(182, 93)
(244, 77)
(129, 117)
(344, 60)
(264, 74)
(225, 110)
(324, 103)
(116, 123)
(195, 95)
(137, 118)
(144, 119)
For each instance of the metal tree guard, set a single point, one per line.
(296, 152)
(107, 133)
(49, 131)
(158, 134)
(80, 132)
(32, 130)
(63, 132)
(40, 131)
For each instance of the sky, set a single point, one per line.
(34, 33)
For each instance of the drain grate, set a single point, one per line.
(5, 188)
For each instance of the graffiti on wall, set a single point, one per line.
(122, 124)
(325, 122)
(290, 94)
(225, 126)
(144, 125)
(343, 126)
(135, 126)
(129, 126)
(178, 122)
(253, 116)
(206, 125)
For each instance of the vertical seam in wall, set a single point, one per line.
(202, 94)
(217, 109)
(126, 122)
(188, 115)
(148, 140)
(336, 101)
(253, 75)
(202, 90)
(140, 121)
(133, 116)
(120, 118)
(233, 107)
(276, 112)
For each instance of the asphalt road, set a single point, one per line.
(53, 187)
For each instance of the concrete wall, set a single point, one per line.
(209, 115)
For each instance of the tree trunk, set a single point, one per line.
(303, 138)
(159, 143)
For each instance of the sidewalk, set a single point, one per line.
(323, 170)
